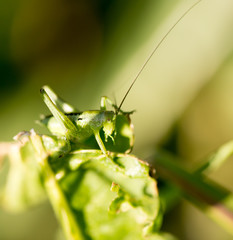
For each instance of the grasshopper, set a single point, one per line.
(78, 127)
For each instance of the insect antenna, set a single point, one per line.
(152, 53)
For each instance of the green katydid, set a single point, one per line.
(78, 127)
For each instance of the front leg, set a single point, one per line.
(100, 143)
(103, 102)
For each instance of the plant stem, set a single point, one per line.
(215, 201)
(216, 159)
(55, 194)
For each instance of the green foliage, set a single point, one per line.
(114, 198)
(95, 194)
(23, 187)
(104, 197)
(99, 191)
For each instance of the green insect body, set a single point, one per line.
(79, 128)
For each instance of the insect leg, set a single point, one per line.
(100, 143)
(103, 102)
(65, 122)
(64, 106)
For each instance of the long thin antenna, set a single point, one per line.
(152, 53)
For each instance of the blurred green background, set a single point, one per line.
(85, 49)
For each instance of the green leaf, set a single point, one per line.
(23, 187)
(110, 197)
